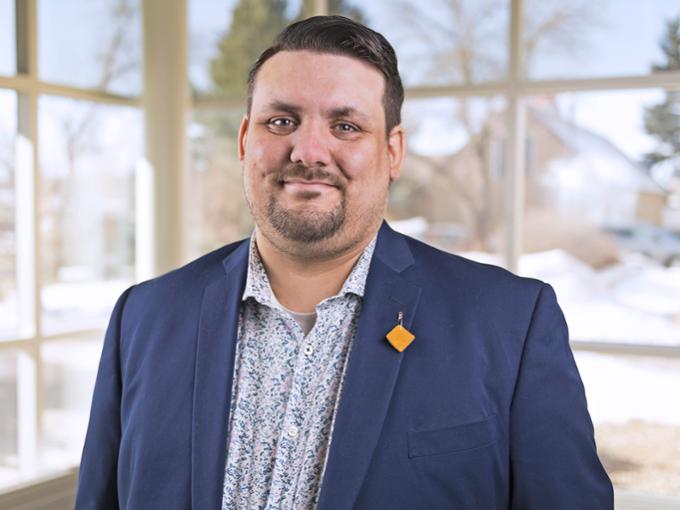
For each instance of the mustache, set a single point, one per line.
(297, 171)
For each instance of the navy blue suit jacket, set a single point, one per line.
(484, 410)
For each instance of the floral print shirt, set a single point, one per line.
(285, 391)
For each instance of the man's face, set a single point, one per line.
(317, 160)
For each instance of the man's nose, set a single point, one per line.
(311, 146)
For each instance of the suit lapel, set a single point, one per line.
(217, 334)
(371, 373)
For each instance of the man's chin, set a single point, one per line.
(306, 224)
(306, 232)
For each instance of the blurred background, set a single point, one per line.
(543, 136)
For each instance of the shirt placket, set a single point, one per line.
(291, 456)
(316, 354)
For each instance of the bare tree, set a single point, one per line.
(79, 131)
(466, 42)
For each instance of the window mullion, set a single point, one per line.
(516, 129)
(321, 7)
(29, 373)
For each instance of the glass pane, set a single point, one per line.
(440, 41)
(596, 38)
(9, 300)
(637, 423)
(437, 42)
(208, 22)
(226, 37)
(91, 44)
(217, 208)
(603, 211)
(69, 372)
(7, 38)
(88, 156)
(9, 455)
(450, 190)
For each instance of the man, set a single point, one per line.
(280, 372)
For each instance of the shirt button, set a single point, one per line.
(292, 431)
(309, 350)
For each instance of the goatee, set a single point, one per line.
(306, 227)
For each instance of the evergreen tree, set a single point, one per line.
(340, 7)
(663, 120)
(254, 25)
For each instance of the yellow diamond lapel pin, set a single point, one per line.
(400, 337)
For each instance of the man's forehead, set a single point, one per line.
(339, 110)
(285, 58)
(290, 74)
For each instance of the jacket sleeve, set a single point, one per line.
(97, 485)
(553, 456)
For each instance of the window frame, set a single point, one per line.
(30, 336)
(515, 88)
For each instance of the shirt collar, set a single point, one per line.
(258, 286)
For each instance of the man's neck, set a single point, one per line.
(300, 284)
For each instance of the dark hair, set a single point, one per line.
(340, 36)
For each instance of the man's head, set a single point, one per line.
(338, 35)
(321, 140)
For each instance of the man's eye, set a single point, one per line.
(281, 122)
(346, 128)
(281, 125)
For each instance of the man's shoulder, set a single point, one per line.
(449, 273)
(190, 278)
(431, 259)
(472, 290)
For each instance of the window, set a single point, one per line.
(103, 53)
(71, 138)
(449, 193)
(217, 209)
(588, 39)
(441, 42)
(87, 164)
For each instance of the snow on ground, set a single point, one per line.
(76, 305)
(634, 301)
(620, 389)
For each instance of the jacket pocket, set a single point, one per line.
(457, 438)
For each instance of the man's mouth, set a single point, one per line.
(307, 185)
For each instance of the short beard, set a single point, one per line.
(306, 227)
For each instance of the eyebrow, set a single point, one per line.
(284, 107)
(347, 111)
(334, 113)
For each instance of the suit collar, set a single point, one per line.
(392, 249)
(215, 348)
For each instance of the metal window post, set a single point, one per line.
(160, 208)
(27, 172)
(320, 7)
(516, 133)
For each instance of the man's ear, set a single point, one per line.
(242, 137)
(395, 151)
